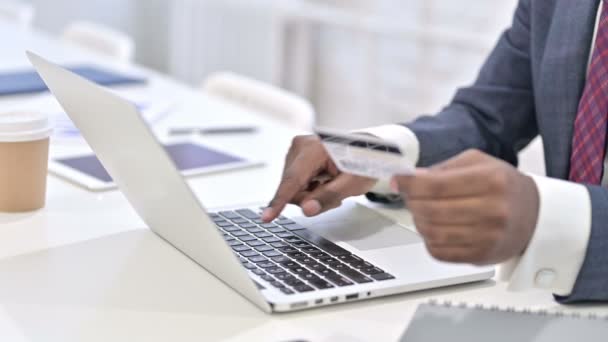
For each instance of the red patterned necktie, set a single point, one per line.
(590, 126)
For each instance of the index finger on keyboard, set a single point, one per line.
(295, 178)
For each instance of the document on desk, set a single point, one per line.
(64, 130)
(476, 323)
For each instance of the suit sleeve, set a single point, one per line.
(496, 114)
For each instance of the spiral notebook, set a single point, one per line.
(476, 323)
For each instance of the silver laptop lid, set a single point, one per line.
(141, 168)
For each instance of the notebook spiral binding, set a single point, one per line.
(525, 311)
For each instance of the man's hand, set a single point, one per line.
(312, 181)
(472, 208)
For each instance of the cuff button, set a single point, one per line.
(545, 278)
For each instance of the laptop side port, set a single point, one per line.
(319, 301)
(334, 299)
(352, 296)
(299, 305)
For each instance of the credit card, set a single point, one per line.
(363, 155)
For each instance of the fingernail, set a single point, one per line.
(311, 208)
(267, 214)
(394, 185)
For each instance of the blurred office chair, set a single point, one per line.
(100, 39)
(17, 12)
(278, 104)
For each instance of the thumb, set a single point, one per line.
(330, 195)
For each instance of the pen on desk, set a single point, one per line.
(213, 130)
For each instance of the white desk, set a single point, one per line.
(85, 269)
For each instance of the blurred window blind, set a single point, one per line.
(242, 36)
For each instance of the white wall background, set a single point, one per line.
(379, 61)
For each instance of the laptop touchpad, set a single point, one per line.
(360, 227)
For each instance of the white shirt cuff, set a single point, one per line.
(558, 247)
(402, 137)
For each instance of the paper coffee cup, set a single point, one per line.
(24, 154)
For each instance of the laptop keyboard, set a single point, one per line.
(291, 257)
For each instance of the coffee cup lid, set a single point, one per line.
(24, 126)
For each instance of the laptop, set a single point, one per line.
(349, 254)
